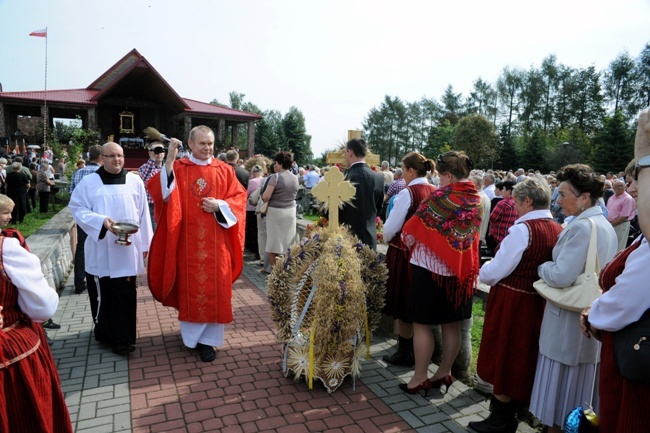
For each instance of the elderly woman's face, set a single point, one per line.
(522, 206)
(572, 203)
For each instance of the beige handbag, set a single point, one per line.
(254, 197)
(584, 290)
(262, 207)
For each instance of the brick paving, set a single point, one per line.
(164, 387)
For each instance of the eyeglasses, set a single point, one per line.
(439, 159)
(114, 156)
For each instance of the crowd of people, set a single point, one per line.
(442, 219)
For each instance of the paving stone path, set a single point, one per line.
(163, 387)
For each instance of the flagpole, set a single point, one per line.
(45, 98)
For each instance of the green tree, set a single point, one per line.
(568, 146)
(508, 159)
(587, 100)
(72, 140)
(509, 85)
(295, 138)
(621, 84)
(532, 100)
(236, 99)
(385, 127)
(476, 136)
(440, 139)
(452, 102)
(481, 99)
(269, 133)
(643, 74)
(550, 72)
(534, 151)
(614, 145)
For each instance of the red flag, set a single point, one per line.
(42, 33)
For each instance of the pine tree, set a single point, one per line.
(534, 151)
(614, 145)
(508, 159)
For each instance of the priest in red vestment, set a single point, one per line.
(197, 251)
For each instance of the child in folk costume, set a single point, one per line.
(31, 399)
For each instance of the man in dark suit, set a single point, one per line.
(242, 174)
(360, 216)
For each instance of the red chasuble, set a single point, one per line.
(193, 260)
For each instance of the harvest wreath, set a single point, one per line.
(326, 297)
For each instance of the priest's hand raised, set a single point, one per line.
(172, 152)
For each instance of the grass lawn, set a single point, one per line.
(477, 329)
(34, 220)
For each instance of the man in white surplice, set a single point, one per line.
(100, 200)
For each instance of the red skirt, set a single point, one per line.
(510, 342)
(398, 286)
(623, 404)
(31, 399)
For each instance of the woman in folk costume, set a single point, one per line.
(566, 363)
(623, 403)
(414, 170)
(30, 394)
(443, 238)
(514, 310)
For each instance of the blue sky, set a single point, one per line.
(334, 60)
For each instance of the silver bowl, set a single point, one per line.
(123, 229)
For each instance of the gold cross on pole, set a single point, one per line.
(333, 191)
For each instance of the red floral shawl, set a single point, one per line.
(447, 225)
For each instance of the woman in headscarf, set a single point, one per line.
(443, 238)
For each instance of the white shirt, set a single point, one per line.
(511, 250)
(487, 207)
(91, 203)
(628, 299)
(489, 191)
(36, 298)
(401, 205)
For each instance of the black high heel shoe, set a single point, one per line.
(445, 380)
(426, 386)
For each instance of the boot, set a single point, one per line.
(404, 355)
(502, 419)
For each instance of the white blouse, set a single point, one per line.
(36, 298)
(401, 205)
(628, 299)
(511, 250)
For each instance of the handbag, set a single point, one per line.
(262, 207)
(581, 420)
(632, 350)
(254, 197)
(584, 290)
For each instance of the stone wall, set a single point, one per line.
(54, 245)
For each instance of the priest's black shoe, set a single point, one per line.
(207, 353)
(122, 349)
(404, 355)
